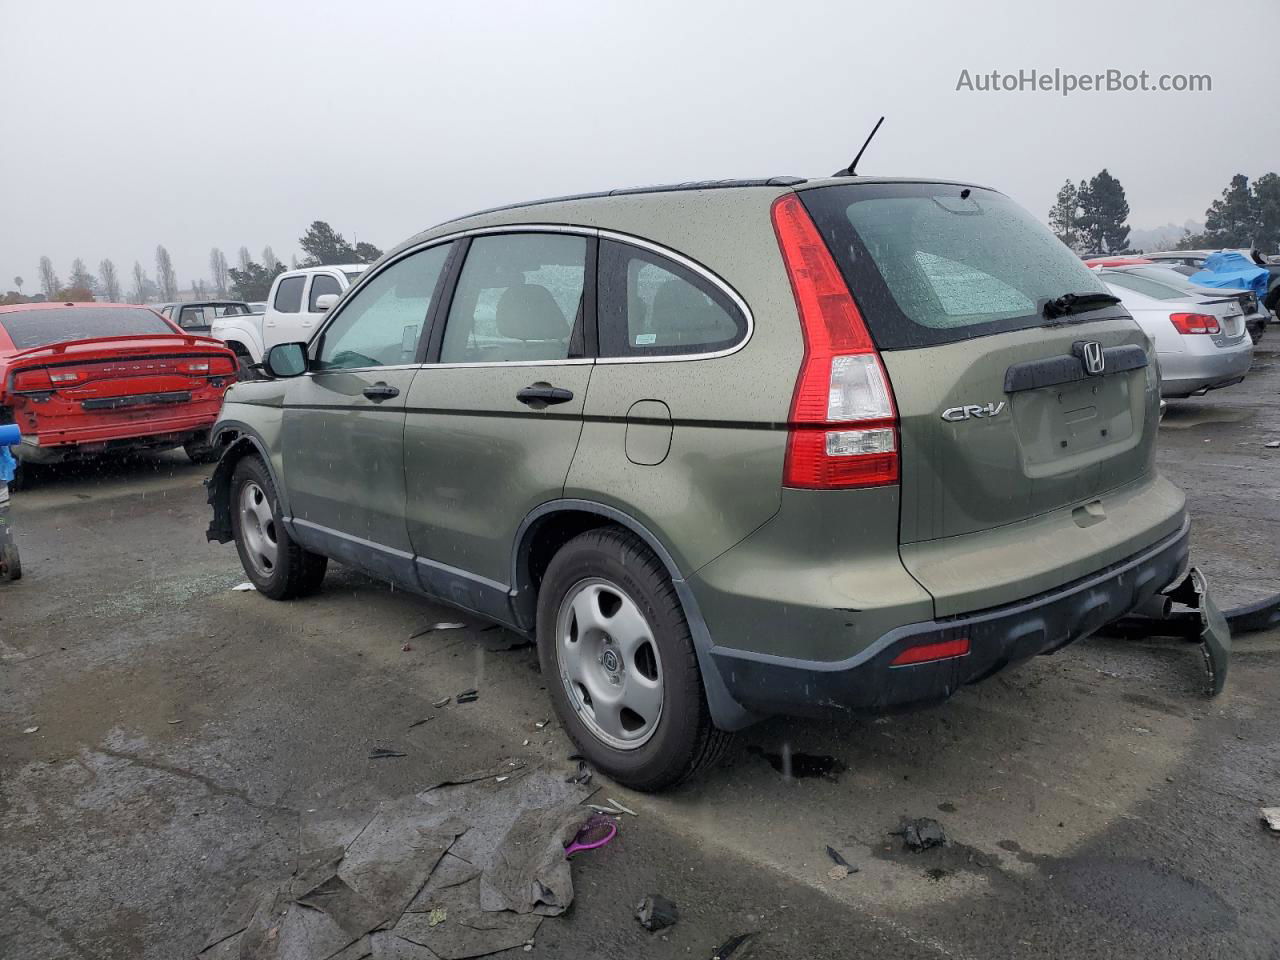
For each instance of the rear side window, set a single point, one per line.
(650, 305)
(289, 295)
(192, 317)
(519, 298)
(39, 328)
(936, 263)
(321, 284)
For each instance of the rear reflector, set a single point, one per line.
(929, 652)
(1194, 322)
(842, 383)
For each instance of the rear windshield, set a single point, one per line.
(1156, 289)
(928, 265)
(39, 328)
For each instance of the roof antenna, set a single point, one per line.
(852, 169)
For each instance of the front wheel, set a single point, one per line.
(277, 566)
(200, 450)
(624, 677)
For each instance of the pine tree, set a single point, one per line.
(1232, 220)
(1063, 214)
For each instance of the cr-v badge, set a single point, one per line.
(971, 410)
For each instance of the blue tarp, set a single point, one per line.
(9, 435)
(1233, 271)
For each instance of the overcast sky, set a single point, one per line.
(237, 123)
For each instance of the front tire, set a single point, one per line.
(200, 450)
(620, 663)
(277, 566)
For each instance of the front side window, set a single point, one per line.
(321, 284)
(289, 295)
(651, 305)
(380, 326)
(519, 298)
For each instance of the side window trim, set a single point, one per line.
(316, 343)
(704, 274)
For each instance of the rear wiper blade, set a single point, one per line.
(1070, 303)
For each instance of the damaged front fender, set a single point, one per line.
(218, 486)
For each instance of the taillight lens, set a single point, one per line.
(1194, 322)
(211, 367)
(25, 381)
(843, 425)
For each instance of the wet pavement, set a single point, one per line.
(1097, 805)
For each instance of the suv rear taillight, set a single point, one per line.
(32, 381)
(1194, 322)
(843, 430)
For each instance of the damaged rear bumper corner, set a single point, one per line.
(996, 637)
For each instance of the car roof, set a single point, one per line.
(345, 267)
(206, 303)
(46, 305)
(584, 208)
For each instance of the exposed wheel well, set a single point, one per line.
(541, 542)
(239, 348)
(234, 449)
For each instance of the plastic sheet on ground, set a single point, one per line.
(489, 854)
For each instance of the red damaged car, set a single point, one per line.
(82, 379)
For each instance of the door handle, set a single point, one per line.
(381, 391)
(539, 395)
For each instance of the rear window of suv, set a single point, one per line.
(40, 328)
(931, 263)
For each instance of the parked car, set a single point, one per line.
(198, 316)
(725, 450)
(1255, 315)
(1122, 261)
(1201, 340)
(1190, 262)
(83, 379)
(294, 307)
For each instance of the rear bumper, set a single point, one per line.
(55, 446)
(997, 637)
(1183, 374)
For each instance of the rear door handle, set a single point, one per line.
(539, 395)
(381, 391)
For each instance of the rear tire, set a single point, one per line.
(595, 586)
(11, 562)
(277, 566)
(23, 475)
(244, 367)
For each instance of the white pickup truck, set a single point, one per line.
(297, 302)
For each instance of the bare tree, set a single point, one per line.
(165, 276)
(269, 259)
(198, 288)
(49, 281)
(218, 271)
(246, 260)
(81, 278)
(139, 292)
(110, 281)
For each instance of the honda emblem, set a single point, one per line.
(1091, 355)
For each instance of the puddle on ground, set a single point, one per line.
(801, 766)
(1183, 417)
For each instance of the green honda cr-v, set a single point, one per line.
(724, 449)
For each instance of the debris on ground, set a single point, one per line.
(463, 870)
(629, 812)
(418, 723)
(406, 647)
(467, 696)
(436, 627)
(595, 833)
(582, 775)
(731, 946)
(655, 912)
(542, 723)
(1271, 817)
(442, 702)
(243, 587)
(31, 730)
(842, 866)
(1273, 445)
(921, 834)
(379, 753)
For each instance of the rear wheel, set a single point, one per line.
(244, 366)
(624, 677)
(10, 562)
(277, 566)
